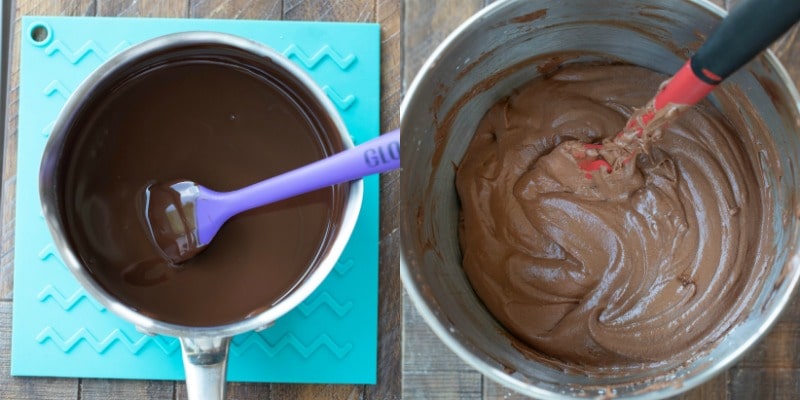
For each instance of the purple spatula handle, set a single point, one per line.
(373, 157)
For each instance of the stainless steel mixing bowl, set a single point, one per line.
(481, 62)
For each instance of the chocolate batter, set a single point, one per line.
(213, 122)
(646, 264)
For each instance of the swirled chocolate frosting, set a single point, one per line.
(646, 264)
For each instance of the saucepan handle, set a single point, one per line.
(205, 361)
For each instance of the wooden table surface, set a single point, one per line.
(431, 371)
(385, 12)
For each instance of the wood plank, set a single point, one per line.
(430, 370)
(422, 350)
(792, 311)
(388, 16)
(443, 385)
(496, 391)
(315, 392)
(389, 380)
(25, 7)
(759, 383)
(104, 389)
(426, 24)
(13, 388)
(143, 8)
(787, 48)
(28, 7)
(9, 191)
(388, 13)
(777, 350)
(715, 389)
(236, 9)
(61, 7)
(235, 391)
(262, 391)
(329, 10)
(9, 188)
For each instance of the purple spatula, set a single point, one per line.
(184, 217)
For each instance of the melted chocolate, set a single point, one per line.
(209, 120)
(645, 265)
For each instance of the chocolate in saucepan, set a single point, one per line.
(211, 120)
(646, 265)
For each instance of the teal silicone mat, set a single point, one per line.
(58, 330)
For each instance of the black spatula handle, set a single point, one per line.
(750, 28)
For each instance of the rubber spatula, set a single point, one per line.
(749, 29)
(184, 217)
